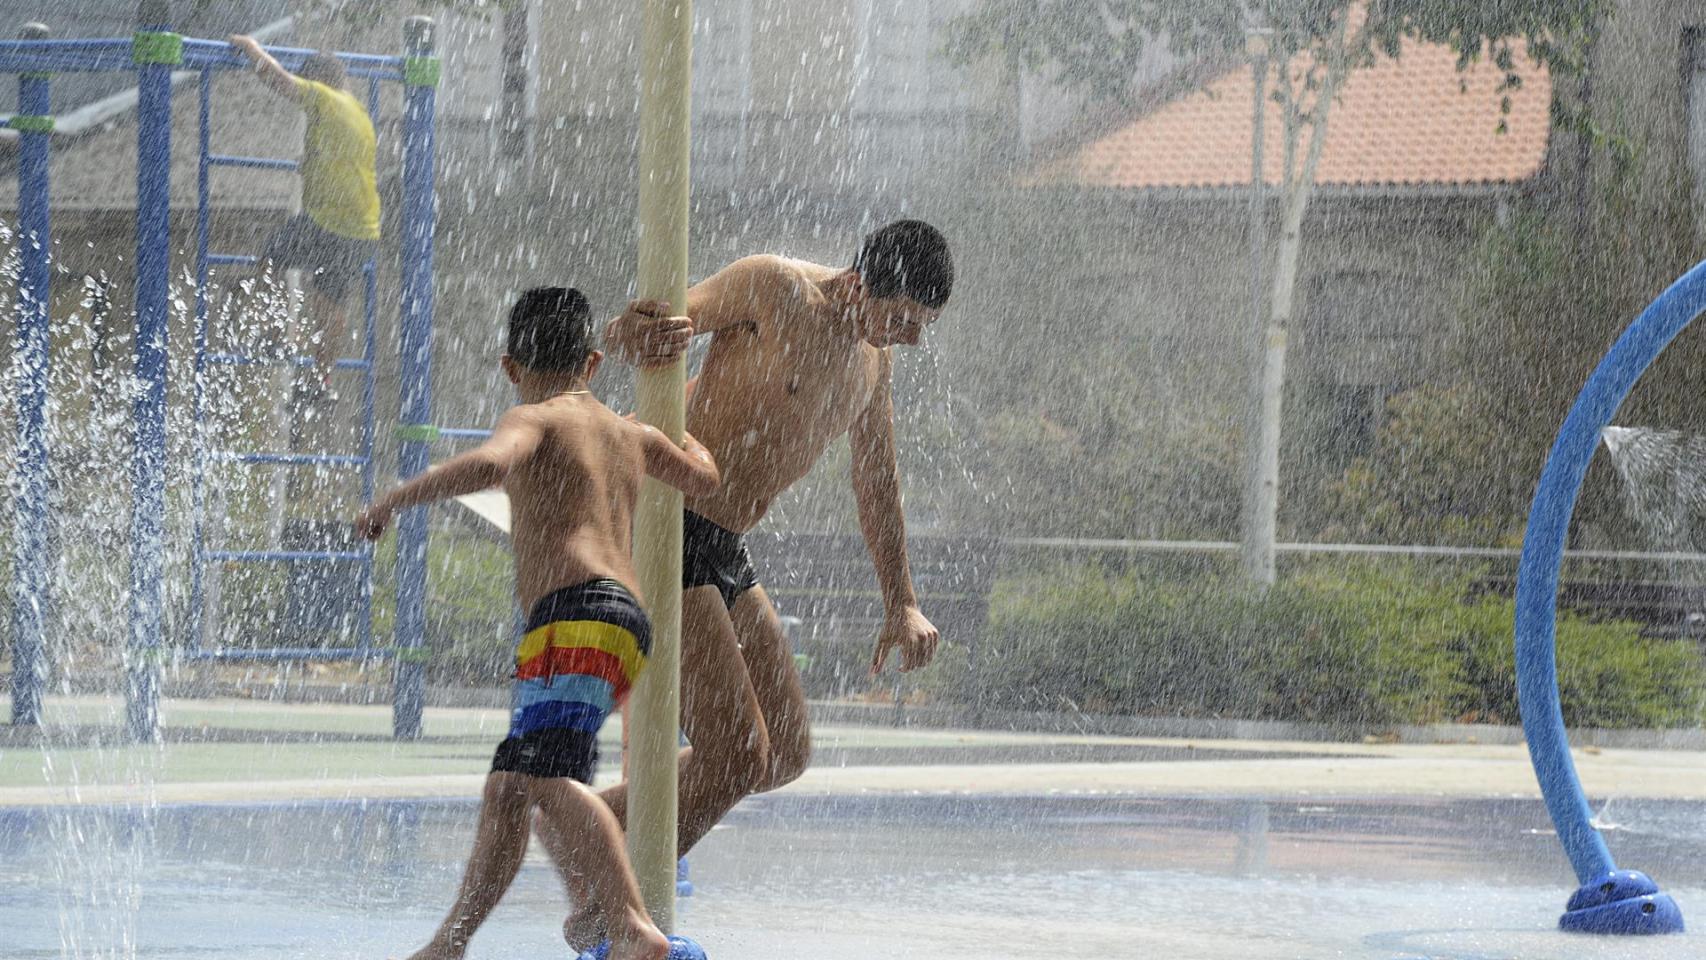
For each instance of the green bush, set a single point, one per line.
(1356, 644)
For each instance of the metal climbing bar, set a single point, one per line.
(218, 55)
(65, 56)
(287, 556)
(259, 163)
(157, 56)
(290, 654)
(209, 56)
(294, 459)
(198, 442)
(32, 553)
(419, 225)
(462, 433)
(153, 61)
(242, 360)
(105, 55)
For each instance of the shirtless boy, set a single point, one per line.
(572, 469)
(798, 356)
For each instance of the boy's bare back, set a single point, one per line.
(572, 500)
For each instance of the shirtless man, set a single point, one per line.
(572, 470)
(798, 356)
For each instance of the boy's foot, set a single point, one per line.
(585, 928)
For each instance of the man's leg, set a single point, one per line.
(720, 715)
(776, 684)
(500, 842)
(598, 873)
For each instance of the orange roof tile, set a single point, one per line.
(1416, 121)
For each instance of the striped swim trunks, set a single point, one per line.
(578, 657)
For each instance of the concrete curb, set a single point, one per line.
(956, 717)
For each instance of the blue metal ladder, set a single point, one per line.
(362, 557)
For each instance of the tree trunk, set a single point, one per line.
(1262, 498)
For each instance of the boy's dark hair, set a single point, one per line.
(907, 257)
(324, 68)
(550, 330)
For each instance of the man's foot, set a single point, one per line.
(585, 928)
(635, 938)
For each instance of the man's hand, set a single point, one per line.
(245, 43)
(373, 521)
(908, 631)
(647, 336)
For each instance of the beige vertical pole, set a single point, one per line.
(665, 69)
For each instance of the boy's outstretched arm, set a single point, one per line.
(512, 442)
(282, 81)
(688, 468)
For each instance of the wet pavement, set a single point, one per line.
(839, 877)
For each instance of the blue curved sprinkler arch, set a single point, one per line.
(1609, 900)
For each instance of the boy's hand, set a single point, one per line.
(371, 524)
(244, 42)
(647, 336)
(906, 630)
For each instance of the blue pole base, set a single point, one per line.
(1622, 902)
(680, 948)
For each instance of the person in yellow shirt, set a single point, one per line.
(337, 232)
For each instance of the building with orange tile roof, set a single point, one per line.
(1411, 121)
(1148, 219)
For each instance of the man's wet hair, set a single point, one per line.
(910, 258)
(323, 67)
(550, 330)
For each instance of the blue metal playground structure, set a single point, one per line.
(155, 53)
(1609, 900)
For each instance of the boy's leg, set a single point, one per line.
(776, 685)
(591, 858)
(500, 842)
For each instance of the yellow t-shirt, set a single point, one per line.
(338, 188)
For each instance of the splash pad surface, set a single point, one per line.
(854, 876)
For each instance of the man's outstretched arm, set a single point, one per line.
(282, 81)
(876, 488)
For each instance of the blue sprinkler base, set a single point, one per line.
(680, 948)
(1621, 902)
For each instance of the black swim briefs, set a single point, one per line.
(715, 557)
